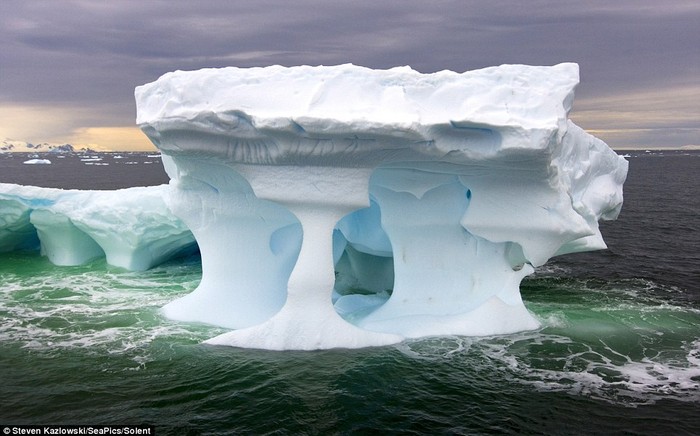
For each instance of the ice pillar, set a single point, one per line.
(61, 241)
(319, 197)
(248, 246)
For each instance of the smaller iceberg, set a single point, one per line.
(132, 228)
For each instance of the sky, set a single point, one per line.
(68, 68)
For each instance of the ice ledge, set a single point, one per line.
(293, 180)
(314, 115)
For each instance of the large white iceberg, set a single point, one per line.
(349, 207)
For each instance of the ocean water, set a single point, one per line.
(618, 353)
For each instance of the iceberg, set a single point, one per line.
(349, 207)
(132, 228)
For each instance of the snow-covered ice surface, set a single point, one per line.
(414, 203)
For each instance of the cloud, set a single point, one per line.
(666, 115)
(35, 124)
(78, 54)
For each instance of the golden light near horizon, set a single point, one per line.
(34, 124)
(65, 125)
(112, 138)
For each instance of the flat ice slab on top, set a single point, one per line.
(348, 115)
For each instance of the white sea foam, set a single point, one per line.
(572, 366)
(106, 312)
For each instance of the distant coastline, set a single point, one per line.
(14, 146)
(659, 148)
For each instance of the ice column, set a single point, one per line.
(248, 246)
(319, 197)
(61, 241)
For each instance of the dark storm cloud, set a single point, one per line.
(92, 54)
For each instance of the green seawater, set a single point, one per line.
(88, 345)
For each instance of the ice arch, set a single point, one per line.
(446, 278)
(476, 178)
